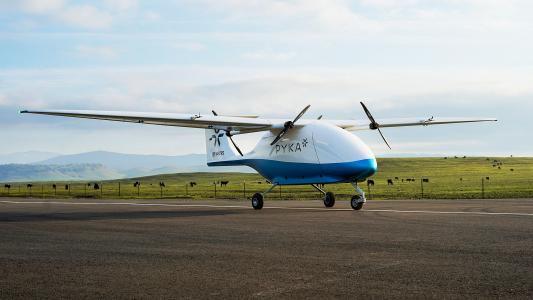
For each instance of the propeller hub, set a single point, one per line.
(288, 125)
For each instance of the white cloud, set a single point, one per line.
(102, 52)
(121, 5)
(190, 46)
(42, 6)
(268, 55)
(86, 16)
(81, 15)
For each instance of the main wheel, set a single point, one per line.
(329, 199)
(356, 203)
(257, 201)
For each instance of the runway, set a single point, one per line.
(89, 248)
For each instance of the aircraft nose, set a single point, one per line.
(373, 167)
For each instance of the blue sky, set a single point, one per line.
(271, 58)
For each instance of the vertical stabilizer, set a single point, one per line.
(218, 148)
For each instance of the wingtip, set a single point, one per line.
(24, 111)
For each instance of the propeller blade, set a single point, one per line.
(235, 145)
(319, 117)
(384, 139)
(368, 114)
(278, 137)
(288, 125)
(373, 124)
(214, 113)
(301, 114)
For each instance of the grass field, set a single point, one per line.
(451, 178)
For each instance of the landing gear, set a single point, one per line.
(329, 197)
(358, 200)
(257, 198)
(257, 201)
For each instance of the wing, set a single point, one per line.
(351, 125)
(234, 124)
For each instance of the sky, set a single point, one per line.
(411, 58)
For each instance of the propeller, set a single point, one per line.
(230, 138)
(373, 124)
(288, 125)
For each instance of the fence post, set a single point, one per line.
(42, 190)
(244, 190)
(186, 190)
(482, 188)
(422, 187)
(280, 192)
(369, 192)
(161, 187)
(119, 188)
(215, 184)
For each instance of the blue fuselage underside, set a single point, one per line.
(288, 173)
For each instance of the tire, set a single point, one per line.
(355, 203)
(329, 199)
(257, 201)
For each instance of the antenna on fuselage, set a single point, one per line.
(373, 124)
(229, 135)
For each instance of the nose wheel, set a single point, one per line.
(358, 201)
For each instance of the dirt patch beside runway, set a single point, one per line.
(229, 250)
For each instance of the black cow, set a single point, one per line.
(66, 187)
(425, 180)
(224, 183)
(370, 182)
(54, 186)
(7, 186)
(161, 184)
(136, 184)
(390, 182)
(487, 178)
(29, 185)
(96, 186)
(192, 183)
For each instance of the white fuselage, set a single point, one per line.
(317, 152)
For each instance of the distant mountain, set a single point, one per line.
(123, 162)
(26, 172)
(26, 157)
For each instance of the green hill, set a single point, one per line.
(447, 178)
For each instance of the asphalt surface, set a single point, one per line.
(224, 249)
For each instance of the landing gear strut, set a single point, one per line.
(329, 197)
(358, 200)
(257, 198)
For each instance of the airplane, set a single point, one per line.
(291, 152)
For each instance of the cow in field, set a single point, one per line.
(224, 183)
(161, 184)
(192, 183)
(370, 182)
(96, 186)
(390, 182)
(425, 180)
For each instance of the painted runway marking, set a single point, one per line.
(272, 207)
